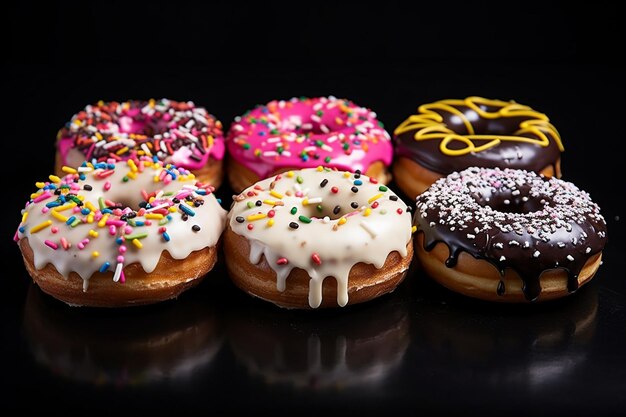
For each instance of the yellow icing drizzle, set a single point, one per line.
(428, 125)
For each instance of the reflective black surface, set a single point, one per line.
(422, 348)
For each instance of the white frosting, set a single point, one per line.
(210, 217)
(370, 233)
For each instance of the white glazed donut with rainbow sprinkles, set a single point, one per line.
(116, 234)
(288, 233)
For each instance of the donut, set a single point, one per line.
(508, 235)
(119, 234)
(287, 233)
(304, 133)
(450, 135)
(176, 132)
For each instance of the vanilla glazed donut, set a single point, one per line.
(286, 234)
(304, 133)
(508, 235)
(451, 135)
(118, 234)
(176, 132)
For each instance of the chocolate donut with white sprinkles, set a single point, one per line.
(508, 235)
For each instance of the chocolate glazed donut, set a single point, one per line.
(450, 135)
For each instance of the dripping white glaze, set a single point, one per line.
(327, 246)
(183, 240)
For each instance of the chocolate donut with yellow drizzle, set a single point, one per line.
(454, 134)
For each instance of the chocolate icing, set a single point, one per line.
(507, 154)
(546, 224)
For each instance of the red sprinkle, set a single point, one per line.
(399, 211)
(373, 180)
(271, 213)
(282, 261)
(375, 204)
(334, 190)
(250, 226)
(162, 229)
(316, 258)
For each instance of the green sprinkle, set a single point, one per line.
(125, 179)
(250, 204)
(299, 179)
(274, 131)
(319, 113)
(304, 219)
(382, 211)
(319, 208)
(163, 221)
(246, 146)
(382, 188)
(346, 146)
(327, 159)
(75, 223)
(131, 222)
(101, 203)
(139, 235)
(319, 143)
(294, 210)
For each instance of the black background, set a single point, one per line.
(421, 348)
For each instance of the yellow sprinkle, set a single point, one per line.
(276, 194)
(77, 122)
(80, 197)
(270, 223)
(257, 216)
(346, 174)
(64, 207)
(151, 199)
(58, 216)
(69, 170)
(305, 202)
(41, 226)
(156, 178)
(99, 135)
(54, 178)
(40, 184)
(137, 243)
(320, 168)
(95, 254)
(90, 217)
(156, 216)
(374, 198)
(151, 102)
(93, 233)
(271, 202)
(90, 206)
(367, 212)
(413, 229)
(132, 175)
(122, 150)
(103, 220)
(132, 165)
(341, 221)
(290, 174)
(24, 216)
(171, 209)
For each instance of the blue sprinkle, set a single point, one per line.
(111, 166)
(104, 267)
(100, 165)
(219, 201)
(262, 133)
(70, 220)
(62, 198)
(139, 223)
(358, 182)
(169, 217)
(107, 210)
(53, 204)
(82, 176)
(357, 142)
(166, 236)
(85, 211)
(172, 173)
(155, 158)
(119, 240)
(50, 187)
(187, 209)
(305, 157)
(21, 229)
(84, 164)
(201, 191)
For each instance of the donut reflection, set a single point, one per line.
(506, 344)
(326, 350)
(127, 347)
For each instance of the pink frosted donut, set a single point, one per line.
(176, 132)
(304, 133)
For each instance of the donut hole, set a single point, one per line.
(334, 208)
(502, 199)
(506, 126)
(125, 200)
(135, 122)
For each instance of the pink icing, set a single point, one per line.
(303, 133)
(189, 123)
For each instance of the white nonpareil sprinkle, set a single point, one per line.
(570, 258)
(536, 254)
